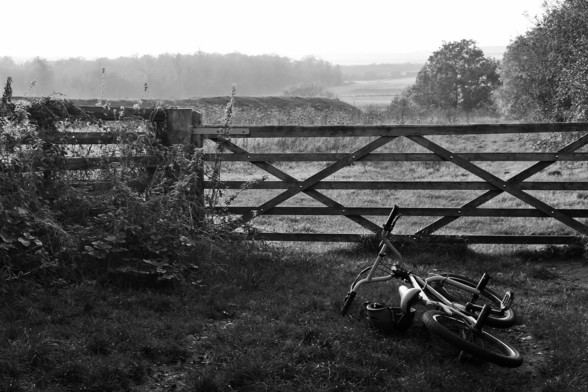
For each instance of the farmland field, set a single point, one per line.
(371, 92)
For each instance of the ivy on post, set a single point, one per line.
(180, 124)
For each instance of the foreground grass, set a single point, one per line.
(270, 322)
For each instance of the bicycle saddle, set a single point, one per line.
(408, 297)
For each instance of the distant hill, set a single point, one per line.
(247, 108)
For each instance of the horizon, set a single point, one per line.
(416, 57)
(340, 32)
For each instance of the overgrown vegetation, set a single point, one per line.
(544, 72)
(115, 217)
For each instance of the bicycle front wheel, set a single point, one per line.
(478, 343)
(496, 318)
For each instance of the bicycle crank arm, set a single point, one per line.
(507, 301)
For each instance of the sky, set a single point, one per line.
(340, 31)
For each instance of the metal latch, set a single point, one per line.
(220, 131)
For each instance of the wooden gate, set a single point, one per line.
(516, 185)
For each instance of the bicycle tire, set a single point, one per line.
(496, 318)
(478, 343)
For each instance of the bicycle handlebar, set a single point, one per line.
(394, 214)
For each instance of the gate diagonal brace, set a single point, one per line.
(502, 186)
(489, 195)
(303, 186)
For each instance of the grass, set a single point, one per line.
(270, 322)
(262, 318)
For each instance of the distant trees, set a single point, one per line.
(458, 77)
(169, 75)
(545, 71)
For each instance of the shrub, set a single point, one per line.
(114, 215)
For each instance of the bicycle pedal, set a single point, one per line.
(507, 301)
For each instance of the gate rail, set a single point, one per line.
(493, 185)
(183, 126)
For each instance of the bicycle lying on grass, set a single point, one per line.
(461, 307)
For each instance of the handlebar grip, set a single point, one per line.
(392, 218)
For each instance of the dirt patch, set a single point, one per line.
(567, 275)
(570, 273)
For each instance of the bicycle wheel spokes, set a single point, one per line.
(497, 317)
(478, 343)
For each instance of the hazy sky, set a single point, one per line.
(341, 31)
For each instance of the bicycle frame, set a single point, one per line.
(456, 317)
(423, 285)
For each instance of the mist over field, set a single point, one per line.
(359, 80)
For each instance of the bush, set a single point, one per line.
(114, 215)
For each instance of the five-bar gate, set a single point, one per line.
(516, 185)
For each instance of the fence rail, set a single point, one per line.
(273, 131)
(494, 186)
(183, 126)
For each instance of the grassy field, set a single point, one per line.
(269, 322)
(265, 317)
(372, 92)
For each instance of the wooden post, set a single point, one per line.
(179, 127)
(197, 140)
(198, 143)
(180, 124)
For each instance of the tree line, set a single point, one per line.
(543, 75)
(545, 71)
(167, 76)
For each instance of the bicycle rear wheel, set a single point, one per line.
(478, 343)
(496, 318)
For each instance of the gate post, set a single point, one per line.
(179, 127)
(180, 124)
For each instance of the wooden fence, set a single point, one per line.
(184, 127)
(491, 184)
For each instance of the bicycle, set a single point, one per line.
(461, 307)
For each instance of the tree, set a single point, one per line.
(457, 76)
(545, 71)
